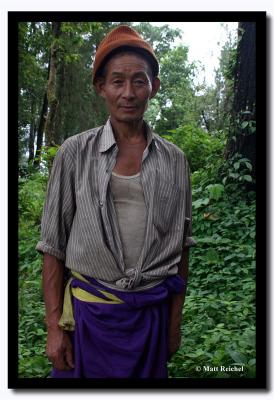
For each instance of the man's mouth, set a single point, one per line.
(128, 108)
(128, 105)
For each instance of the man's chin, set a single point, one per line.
(129, 118)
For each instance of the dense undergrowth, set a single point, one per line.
(32, 339)
(218, 326)
(218, 329)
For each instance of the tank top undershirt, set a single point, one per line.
(129, 202)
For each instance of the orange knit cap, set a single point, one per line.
(123, 38)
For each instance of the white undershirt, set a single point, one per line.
(131, 212)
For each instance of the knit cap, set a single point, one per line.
(123, 38)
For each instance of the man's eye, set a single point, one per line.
(139, 82)
(118, 82)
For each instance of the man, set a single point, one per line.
(117, 217)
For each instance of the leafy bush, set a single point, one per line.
(197, 144)
(32, 335)
(219, 313)
(237, 170)
(31, 198)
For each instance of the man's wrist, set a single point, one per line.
(52, 324)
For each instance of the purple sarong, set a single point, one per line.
(127, 340)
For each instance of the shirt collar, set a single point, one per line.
(108, 140)
(149, 133)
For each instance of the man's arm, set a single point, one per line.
(176, 307)
(59, 349)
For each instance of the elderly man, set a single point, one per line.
(116, 229)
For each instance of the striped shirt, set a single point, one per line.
(79, 223)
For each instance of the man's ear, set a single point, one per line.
(155, 87)
(100, 86)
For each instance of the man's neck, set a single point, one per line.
(128, 132)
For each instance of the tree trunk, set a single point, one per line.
(244, 107)
(245, 79)
(61, 95)
(32, 131)
(33, 109)
(40, 132)
(41, 126)
(51, 88)
(206, 121)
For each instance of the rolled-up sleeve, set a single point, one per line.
(59, 207)
(188, 239)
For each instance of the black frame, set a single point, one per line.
(260, 382)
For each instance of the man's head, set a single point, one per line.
(123, 38)
(125, 73)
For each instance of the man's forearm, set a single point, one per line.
(59, 347)
(53, 288)
(177, 300)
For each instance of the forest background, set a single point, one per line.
(216, 128)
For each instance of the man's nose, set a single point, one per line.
(128, 91)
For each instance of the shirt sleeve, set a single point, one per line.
(188, 239)
(59, 207)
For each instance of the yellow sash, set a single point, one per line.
(67, 321)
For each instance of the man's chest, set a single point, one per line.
(129, 159)
(161, 179)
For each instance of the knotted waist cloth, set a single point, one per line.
(117, 334)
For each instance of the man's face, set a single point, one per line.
(127, 86)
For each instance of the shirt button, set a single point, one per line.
(100, 203)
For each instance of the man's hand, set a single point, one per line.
(174, 341)
(59, 349)
(176, 308)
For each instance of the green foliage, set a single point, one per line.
(47, 156)
(160, 37)
(33, 56)
(215, 191)
(197, 144)
(244, 124)
(237, 170)
(219, 314)
(176, 97)
(31, 198)
(215, 103)
(32, 335)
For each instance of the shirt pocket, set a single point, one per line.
(165, 201)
